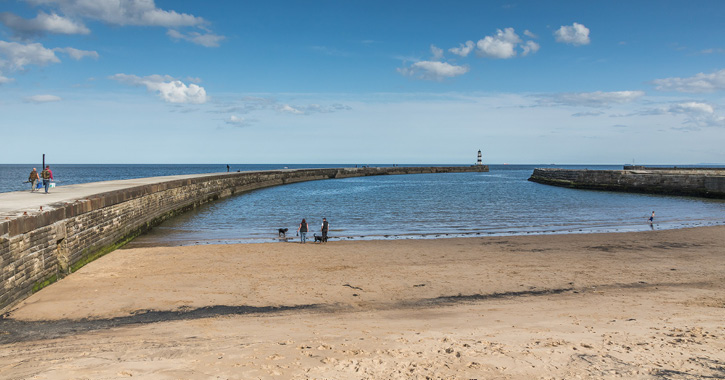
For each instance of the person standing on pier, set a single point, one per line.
(33, 179)
(47, 175)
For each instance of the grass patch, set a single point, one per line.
(41, 284)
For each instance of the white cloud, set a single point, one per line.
(529, 47)
(137, 81)
(77, 54)
(249, 104)
(527, 33)
(41, 24)
(208, 39)
(590, 99)
(169, 89)
(237, 121)
(252, 104)
(692, 107)
(177, 92)
(464, 49)
(15, 56)
(310, 108)
(42, 99)
(699, 83)
(433, 70)
(437, 52)
(116, 12)
(502, 45)
(576, 34)
(286, 108)
(317, 108)
(696, 114)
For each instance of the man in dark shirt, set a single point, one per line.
(325, 227)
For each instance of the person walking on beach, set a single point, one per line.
(302, 229)
(227, 168)
(47, 177)
(325, 227)
(652, 218)
(33, 179)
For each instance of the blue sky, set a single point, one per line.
(108, 81)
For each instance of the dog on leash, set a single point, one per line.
(320, 239)
(282, 232)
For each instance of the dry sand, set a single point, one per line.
(647, 305)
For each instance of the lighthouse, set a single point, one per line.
(479, 162)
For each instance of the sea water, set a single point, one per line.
(419, 206)
(416, 206)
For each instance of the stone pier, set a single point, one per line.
(698, 182)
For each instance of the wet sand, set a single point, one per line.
(646, 305)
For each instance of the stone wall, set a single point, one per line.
(704, 183)
(675, 169)
(39, 248)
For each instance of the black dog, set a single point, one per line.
(283, 232)
(321, 239)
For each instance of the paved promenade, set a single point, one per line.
(16, 203)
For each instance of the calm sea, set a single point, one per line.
(500, 202)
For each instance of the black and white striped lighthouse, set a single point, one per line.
(479, 162)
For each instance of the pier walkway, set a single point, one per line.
(14, 204)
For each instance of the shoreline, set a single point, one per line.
(157, 238)
(639, 305)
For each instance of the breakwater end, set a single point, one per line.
(44, 237)
(697, 182)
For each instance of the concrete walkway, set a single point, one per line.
(14, 204)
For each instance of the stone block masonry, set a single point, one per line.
(39, 245)
(708, 183)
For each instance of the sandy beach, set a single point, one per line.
(646, 305)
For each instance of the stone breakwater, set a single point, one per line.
(43, 240)
(708, 183)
